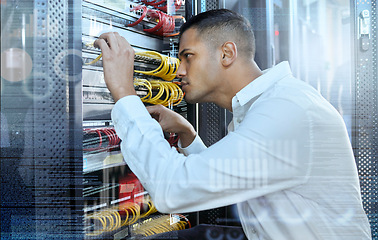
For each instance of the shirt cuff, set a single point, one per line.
(129, 112)
(129, 108)
(196, 146)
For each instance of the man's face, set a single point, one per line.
(198, 68)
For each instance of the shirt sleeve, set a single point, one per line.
(266, 153)
(196, 146)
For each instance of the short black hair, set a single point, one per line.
(218, 26)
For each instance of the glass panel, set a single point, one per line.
(320, 50)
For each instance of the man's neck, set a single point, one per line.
(236, 79)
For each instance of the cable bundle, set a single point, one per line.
(104, 221)
(94, 138)
(163, 4)
(167, 93)
(159, 225)
(132, 211)
(151, 208)
(166, 70)
(109, 220)
(165, 23)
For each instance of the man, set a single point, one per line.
(287, 161)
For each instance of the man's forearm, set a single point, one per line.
(119, 93)
(187, 138)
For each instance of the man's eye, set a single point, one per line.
(185, 56)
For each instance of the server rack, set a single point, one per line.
(115, 204)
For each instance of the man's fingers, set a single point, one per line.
(110, 39)
(101, 43)
(154, 112)
(155, 109)
(122, 42)
(102, 38)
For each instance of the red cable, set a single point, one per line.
(163, 19)
(110, 137)
(166, 23)
(167, 26)
(100, 136)
(176, 140)
(100, 139)
(113, 139)
(141, 17)
(111, 133)
(157, 27)
(170, 138)
(172, 24)
(148, 3)
(118, 139)
(157, 3)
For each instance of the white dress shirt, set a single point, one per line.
(287, 162)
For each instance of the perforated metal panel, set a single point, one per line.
(55, 169)
(211, 5)
(213, 122)
(206, 5)
(365, 135)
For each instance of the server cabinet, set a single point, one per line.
(41, 167)
(364, 39)
(333, 47)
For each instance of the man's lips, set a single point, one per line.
(183, 85)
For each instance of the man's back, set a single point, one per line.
(322, 199)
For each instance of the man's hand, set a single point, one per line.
(173, 122)
(118, 64)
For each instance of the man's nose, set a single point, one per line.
(181, 72)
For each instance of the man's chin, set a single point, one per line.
(189, 100)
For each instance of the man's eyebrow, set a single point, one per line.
(182, 52)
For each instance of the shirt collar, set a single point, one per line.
(260, 84)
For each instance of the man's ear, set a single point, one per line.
(229, 53)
